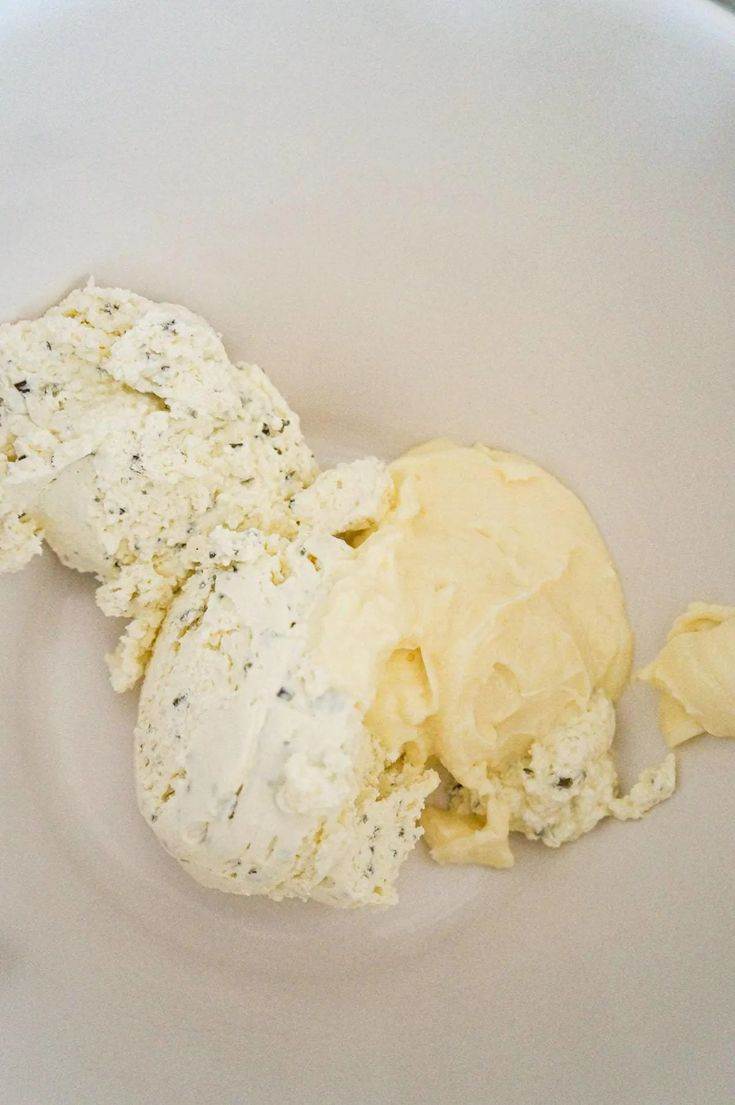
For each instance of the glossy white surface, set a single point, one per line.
(504, 221)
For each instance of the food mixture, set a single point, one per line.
(334, 663)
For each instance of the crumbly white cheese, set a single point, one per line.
(252, 769)
(349, 497)
(126, 436)
(568, 782)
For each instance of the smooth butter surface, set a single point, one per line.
(490, 631)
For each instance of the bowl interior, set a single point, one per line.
(507, 223)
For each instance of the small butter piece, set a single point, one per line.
(695, 673)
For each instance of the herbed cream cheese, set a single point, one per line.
(126, 436)
(560, 789)
(253, 769)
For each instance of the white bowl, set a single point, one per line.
(504, 221)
